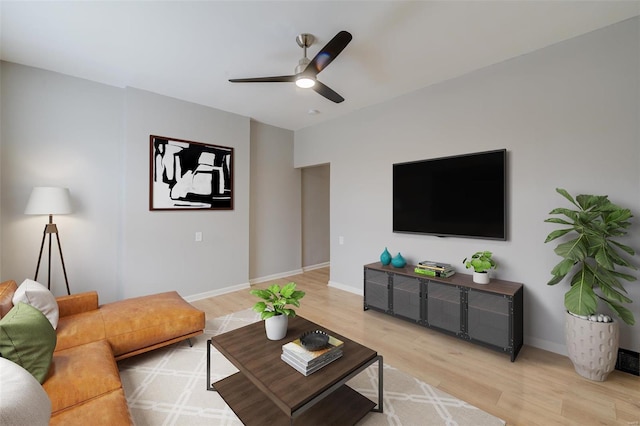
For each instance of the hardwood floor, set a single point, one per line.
(539, 388)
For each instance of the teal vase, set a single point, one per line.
(398, 261)
(385, 257)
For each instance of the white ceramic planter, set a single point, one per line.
(592, 346)
(276, 327)
(480, 277)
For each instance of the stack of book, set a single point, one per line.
(308, 362)
(434, 269)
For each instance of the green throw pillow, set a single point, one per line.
(28, 339)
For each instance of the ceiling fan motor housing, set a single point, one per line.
(304, 40)
(302, 65)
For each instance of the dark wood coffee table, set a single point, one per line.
(266, 390)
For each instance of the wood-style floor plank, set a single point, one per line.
(540, 388)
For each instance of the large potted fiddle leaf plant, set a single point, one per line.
(595, 263)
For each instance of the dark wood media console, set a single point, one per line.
(486, 314)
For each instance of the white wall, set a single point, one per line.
(568, 116)
(0, 163)
(61, 131)
(159, 251)
(94, 139)
(275, 248)
(316, 227)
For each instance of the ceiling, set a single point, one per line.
(189, 49)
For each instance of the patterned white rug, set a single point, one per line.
(168, 387)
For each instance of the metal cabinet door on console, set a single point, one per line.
(376, 290)
(488, 318)
(406, 297)
(443, 307)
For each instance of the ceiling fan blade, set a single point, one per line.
(327, 92)
(278, 79)
(328, 53)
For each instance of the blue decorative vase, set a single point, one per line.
(398, 261)
(385, 257)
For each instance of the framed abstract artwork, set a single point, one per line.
(187, 175)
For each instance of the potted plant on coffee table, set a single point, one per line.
(593, 256)
(481, 262)
(274, 308)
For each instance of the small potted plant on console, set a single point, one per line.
(274, 310)
(481, 262)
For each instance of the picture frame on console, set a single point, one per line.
(187, 175)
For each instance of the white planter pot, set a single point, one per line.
(592, 346)
(276, 327)
(480, 277)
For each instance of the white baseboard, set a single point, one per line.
(217, 292)
(318, 266)
(350, 289)
(253, 281)
(546, 345)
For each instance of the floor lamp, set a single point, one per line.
(49, 201)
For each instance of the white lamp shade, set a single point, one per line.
(49, 200)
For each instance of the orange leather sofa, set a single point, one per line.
(83, 383)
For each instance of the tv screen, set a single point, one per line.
(460, 196)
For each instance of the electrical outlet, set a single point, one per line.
(198, 236)
(341, 240)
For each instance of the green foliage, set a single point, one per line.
(276, 299)
(592, 254)
(480, 261)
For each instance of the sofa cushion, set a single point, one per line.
(28, 339)
(35, 294)
(22, 399)
(140, 322)
(74, 330)
(81, 373)
(109, 409)
(77, 303)
(7, 289)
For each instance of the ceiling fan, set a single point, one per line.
(307, 70)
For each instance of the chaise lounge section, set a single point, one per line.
(83, 382)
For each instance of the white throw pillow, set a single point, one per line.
(23, 401)
(35, 294)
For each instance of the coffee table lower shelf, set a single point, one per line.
(345, 406)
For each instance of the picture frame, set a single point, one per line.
(187, 175)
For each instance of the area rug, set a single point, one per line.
(168, 387)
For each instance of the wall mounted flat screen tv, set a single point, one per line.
(459, 196)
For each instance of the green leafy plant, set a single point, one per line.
(480, 261)
(593, 254)
(276, 299)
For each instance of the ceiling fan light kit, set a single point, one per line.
(307, 70)
(305, 82)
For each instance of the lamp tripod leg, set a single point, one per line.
(49, 265)
(64, 269)
(44, 235)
